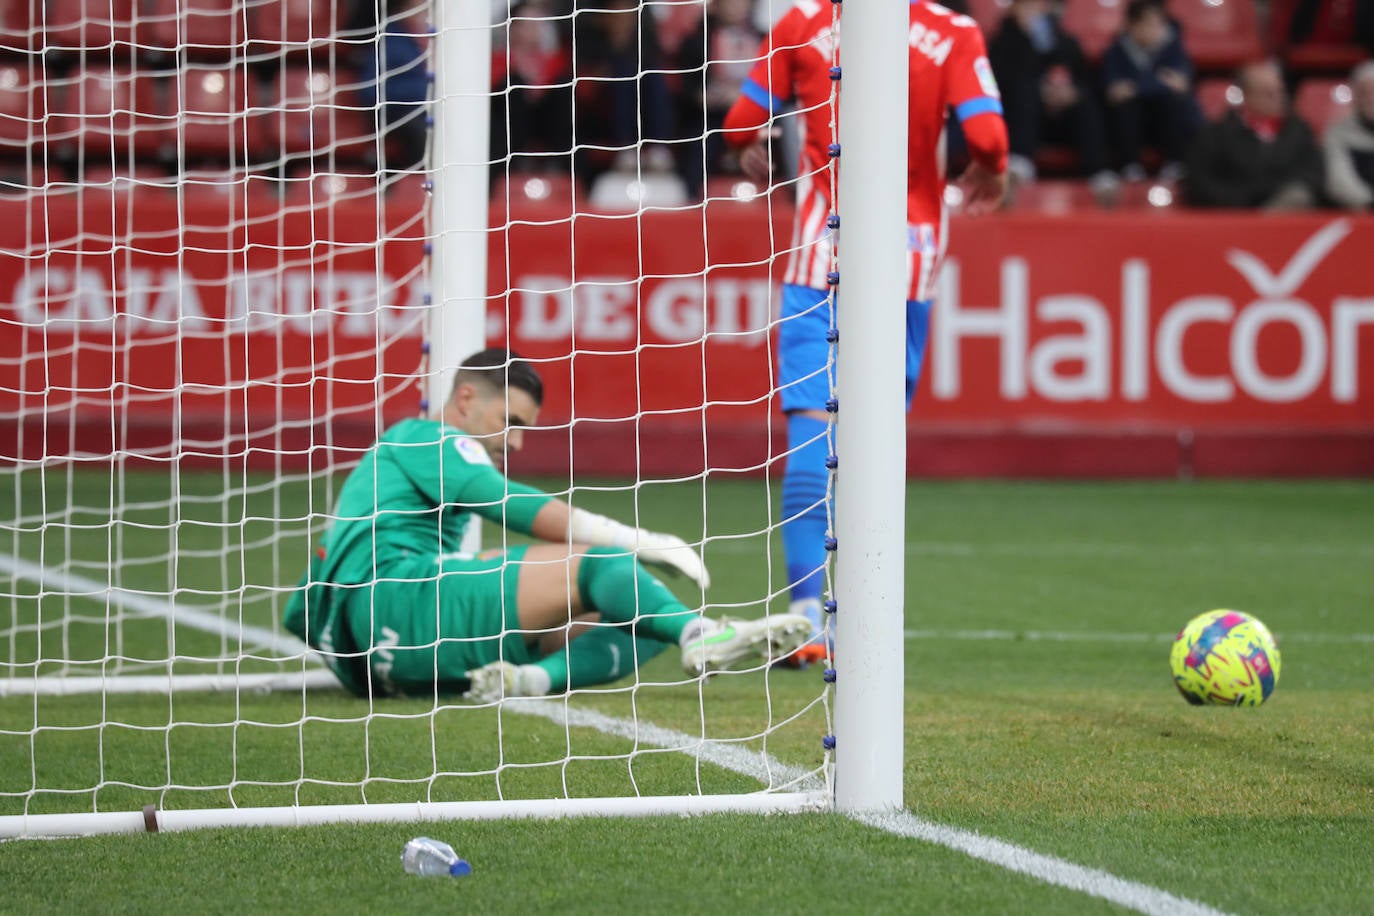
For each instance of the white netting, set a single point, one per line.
(216, 243)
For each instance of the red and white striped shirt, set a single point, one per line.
(949, 68)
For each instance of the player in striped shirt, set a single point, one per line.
(949, 69)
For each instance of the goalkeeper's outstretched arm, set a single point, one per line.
(558, 522)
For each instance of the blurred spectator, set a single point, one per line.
(1350, 147)
(532, 95)
(715, 62)
(1149, 87)
(393, 79)
(624, 113)
(1260, 154)
(1047, 94)
(1323, 22)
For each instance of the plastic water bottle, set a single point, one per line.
(432, 858)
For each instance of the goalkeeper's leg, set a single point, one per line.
(559, 584)
(598, 654)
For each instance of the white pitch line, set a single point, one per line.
(765, 768)
(760, 766)
(750, 545)
(1091, 881)
(736, 758)
(146, 605)
(1109, 636)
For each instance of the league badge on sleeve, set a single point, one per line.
(471, 450)
(986, 81)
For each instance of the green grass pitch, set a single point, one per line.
(1039, 710)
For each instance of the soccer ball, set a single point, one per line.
(1225, 658)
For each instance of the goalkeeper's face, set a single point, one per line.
(495, 417)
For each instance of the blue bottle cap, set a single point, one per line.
(460, 868)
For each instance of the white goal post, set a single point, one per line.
(229, 260)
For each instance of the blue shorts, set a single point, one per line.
(803, 351)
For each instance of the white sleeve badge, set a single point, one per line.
(471, 450)
(983, 70)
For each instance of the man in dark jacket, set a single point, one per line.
(1047, 95)
(1149, 87)
(1258, 155)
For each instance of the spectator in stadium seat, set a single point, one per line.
(393, 79)
(1350, 147)
(1260, 154)
(398, 609)
(532, 96)
(1148, 80)
(625, 116)
(1329, 23)
(1048, 95)
(715, 62)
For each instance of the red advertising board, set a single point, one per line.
(1101, 344)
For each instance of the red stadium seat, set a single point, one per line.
(211, 108)
(17, 20)
(1217, 95)
(107, 111)
(1095, 23)
(214, 189)
(1054, 198)
(1329, 46)
(1322, 102)
(1218, 34)
(203, 29)
(296, 23)
(1323, 58)
(1152, 196)
(22, 107)
(89, 24)
(19, 178)
(538, 188)
(312, 114)
(309, 187)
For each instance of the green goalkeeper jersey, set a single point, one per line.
(413, 494)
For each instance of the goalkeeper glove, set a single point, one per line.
(666, 551)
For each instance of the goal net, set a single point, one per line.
(241, 239)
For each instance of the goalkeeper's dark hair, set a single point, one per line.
(497, 369)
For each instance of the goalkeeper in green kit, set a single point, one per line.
(396, 608)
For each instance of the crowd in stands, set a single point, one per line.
(1114, 96)
(1227, 103)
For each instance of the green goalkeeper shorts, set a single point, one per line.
(427, 621)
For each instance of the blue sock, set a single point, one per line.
(917, 330)
(803, 506)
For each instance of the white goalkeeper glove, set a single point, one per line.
(667, 551)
